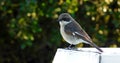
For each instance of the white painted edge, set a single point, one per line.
(87, 55)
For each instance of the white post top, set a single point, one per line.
(87, 55)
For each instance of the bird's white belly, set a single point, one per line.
(70, 39)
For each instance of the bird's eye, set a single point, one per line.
(66, 19)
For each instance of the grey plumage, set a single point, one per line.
(72, 32)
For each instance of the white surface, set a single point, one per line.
(71, 56)
(87, 55)
(111, 55)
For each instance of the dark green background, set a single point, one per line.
(29, 32)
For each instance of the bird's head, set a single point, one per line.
(64, 18)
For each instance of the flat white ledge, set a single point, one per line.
(87, 55)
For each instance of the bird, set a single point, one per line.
(72, 32)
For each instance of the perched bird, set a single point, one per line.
(72, 32)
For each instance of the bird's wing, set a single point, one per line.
(76, 30)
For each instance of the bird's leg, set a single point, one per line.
(71, 47)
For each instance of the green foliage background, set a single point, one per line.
(29, 32)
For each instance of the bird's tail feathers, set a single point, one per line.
(94, 45)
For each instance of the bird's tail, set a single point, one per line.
(94, 45)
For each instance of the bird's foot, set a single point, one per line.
(71, 47)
